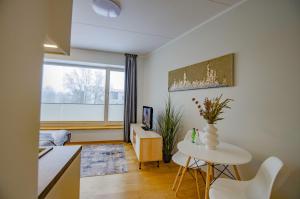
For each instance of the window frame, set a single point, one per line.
(86, 124)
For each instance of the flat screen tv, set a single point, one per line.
(147, 117)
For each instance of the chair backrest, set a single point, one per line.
(188, 135)
(261, 186)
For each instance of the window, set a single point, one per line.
(116, 96)
(78, 94)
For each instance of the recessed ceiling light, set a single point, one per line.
(50, 46)
(106, 8)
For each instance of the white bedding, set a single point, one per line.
(54, 137)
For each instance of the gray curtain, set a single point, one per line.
(130, 101)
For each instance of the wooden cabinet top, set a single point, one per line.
(53, 165)
(142, 133)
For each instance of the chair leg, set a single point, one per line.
(238, 177)
(202, 175)
(183, 173)
(208, 175)
(213, 172)
(178, 173)
(197, 185)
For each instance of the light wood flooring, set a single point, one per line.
(149, 182)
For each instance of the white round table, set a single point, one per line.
(225, 154)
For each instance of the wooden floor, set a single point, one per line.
(150, 182)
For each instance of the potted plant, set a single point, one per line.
(169, 123)
(211, 111)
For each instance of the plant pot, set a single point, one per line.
(167, 158)
(210, 137)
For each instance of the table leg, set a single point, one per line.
(238, 177)
(196, 177)
(208, 175)
(178, 173)
(183, 173)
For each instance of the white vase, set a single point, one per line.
(198, 138)
(210, 137)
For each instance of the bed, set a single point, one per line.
(54, 137)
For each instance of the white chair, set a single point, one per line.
(259, 187)
(181, 160)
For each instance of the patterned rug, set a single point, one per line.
(104, 159)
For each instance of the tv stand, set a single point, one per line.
(146, 144)
(145, 128)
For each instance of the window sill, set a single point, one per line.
(81, 127)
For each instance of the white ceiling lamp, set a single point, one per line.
(106, 8)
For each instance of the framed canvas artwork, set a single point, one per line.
(214, 73)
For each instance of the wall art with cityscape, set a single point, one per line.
(214, 73)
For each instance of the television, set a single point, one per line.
(147, 117)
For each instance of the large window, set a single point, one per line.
(116, 96)
(82, 94)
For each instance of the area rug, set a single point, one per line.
(104, 159)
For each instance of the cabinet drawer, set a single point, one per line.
(150, 149)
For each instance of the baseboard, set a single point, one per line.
(97, 142)
(96, 135)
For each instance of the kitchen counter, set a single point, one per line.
(53, 165)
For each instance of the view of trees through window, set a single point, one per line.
(73, 85)
(78, 94)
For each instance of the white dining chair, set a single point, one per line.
(181, 160)
(260, 187)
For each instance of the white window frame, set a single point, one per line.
(87, 124)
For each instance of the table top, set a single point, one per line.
(53, 165)
(224, 154)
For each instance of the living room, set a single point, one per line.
(213, 83)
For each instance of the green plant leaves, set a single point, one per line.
(169, 123)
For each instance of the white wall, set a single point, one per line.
(264, 119)
(21, 52)
(140, 87)
(97, 135)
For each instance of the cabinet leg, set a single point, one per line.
(157, 163)
(140, 165)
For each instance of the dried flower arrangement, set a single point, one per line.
(212, 108)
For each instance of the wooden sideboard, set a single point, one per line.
(146, 144)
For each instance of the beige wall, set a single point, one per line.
(264, 118)
(21, 52)
(59, 24)
(92, 56)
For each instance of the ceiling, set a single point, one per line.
(143, 25)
